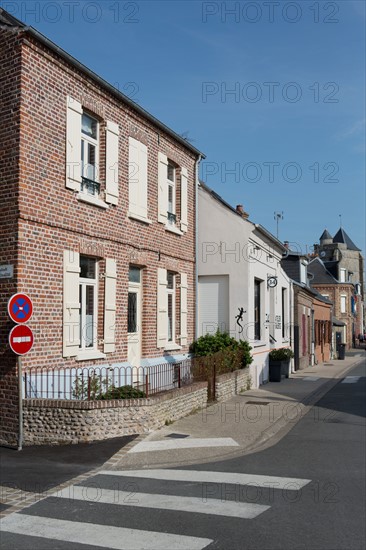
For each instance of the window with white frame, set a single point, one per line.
(89, 155)
(168, 297)
(172, 195)
(342, 275)
(171, 305)
(303, 273)
(88, 300)
(343, 303)
(257, 309)
(83, 135)
(171, 182)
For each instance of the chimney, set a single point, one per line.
(240, 210)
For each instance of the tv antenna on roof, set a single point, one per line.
(278, 216)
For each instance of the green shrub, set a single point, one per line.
(230, 354)
(282, 354)
(123, 392)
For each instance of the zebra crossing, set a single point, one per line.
(112, 509)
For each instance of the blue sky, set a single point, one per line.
(293, 131)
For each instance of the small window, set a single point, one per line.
(88, 303)
(171, 305)
(343, 275)
(134, 275)
(89, 156)
(171, 180)
(132, 312)
(257, 309)
(343, 303)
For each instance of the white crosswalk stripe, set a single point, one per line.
(105, 536)
(213, 477)
(101, 492)
(192, 442)
(350, 379)
(165, 502)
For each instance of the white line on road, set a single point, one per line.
(105, 536)
(351, 379)
(148, 446)
(201, 505)
(288, 483)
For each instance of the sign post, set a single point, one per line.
(20, 309)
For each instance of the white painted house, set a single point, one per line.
(242, 288)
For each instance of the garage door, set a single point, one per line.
(213, 304)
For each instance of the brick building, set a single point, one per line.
(98, 218)
(312, 315)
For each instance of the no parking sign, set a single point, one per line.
(20, 308)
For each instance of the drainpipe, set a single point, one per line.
(312, 360)
(196, 251)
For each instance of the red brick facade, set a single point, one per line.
(41, 218)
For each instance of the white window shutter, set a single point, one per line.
(111, 169)
(71, 304)
(110, 296)
(184, 199)
(183, 309)
(137, 178)
(163, 189)
(162, 309)
(73, 144)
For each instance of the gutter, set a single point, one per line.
(196, 251)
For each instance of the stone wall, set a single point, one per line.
(58, 422)
(232, 383)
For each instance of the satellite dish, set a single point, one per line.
(322, 253)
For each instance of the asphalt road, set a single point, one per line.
(322, 506)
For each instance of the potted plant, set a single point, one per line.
(279, 363)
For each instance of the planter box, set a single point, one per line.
(277, 369)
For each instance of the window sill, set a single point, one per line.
(88, 355)
(259, 344)
(90, 199)
(139, 218)
(173, 229)
(172, 346)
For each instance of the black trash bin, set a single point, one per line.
(342, 351)
(275, 371)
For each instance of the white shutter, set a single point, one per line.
(137, 178)
(183, 309)
(163, 189)
(184, 199)
(110, 296)
(73, 144)
(71, 304)
(111, 169)
(213, 304)
(162, 309)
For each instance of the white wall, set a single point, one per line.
(232, 246)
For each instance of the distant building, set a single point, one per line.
(312, 315)
(344, 261)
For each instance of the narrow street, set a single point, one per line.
(305, 492)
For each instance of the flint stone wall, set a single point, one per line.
(58, 422)
(232, 383)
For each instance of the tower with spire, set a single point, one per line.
(343, 259)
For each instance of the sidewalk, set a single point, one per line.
(246, 423)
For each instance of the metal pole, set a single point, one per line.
(20, 397)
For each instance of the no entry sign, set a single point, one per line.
(20, 308)
(21, 339)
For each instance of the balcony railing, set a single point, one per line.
(172, 218)
(89, 186)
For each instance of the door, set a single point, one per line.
(213, 302)
(134, 329)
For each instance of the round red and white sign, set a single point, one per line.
(21, 339)
(20, 308)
